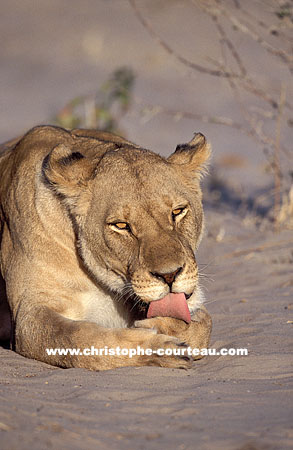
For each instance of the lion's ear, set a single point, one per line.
(192, 157)
(67, 171)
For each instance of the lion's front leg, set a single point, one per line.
(39, 329)
(196, 334)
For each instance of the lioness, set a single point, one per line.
(97, 241)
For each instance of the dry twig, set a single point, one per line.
(147, 25)
(239, 83)
(277, 168)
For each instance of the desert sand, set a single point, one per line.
(53, 51)
(226, 402)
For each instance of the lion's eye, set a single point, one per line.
(179, 212)
(120, 226)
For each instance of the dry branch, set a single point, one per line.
(147, 25)
(240, 83)
(277, 168)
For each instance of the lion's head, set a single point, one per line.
(138, 216)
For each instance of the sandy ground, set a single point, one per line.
(52, 51)
(229, 402)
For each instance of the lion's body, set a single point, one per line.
(70, 275)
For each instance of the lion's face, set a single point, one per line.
(138, 217)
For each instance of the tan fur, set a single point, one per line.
(72, 277)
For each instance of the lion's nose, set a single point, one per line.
(168, 277)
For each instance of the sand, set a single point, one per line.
(223, 402)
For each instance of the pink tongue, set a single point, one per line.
(173, 305)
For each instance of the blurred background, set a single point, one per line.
(156, 71)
